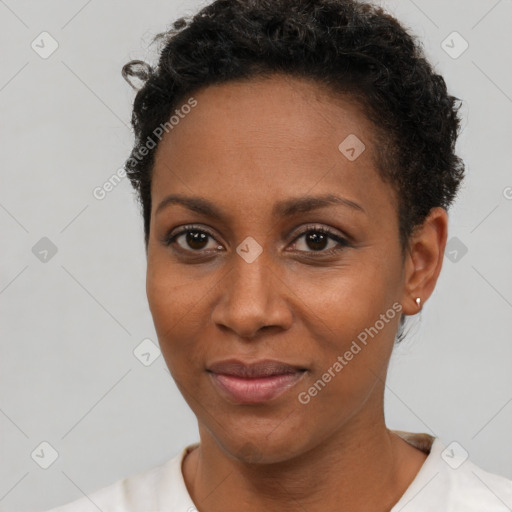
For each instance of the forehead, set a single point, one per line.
(261, 139)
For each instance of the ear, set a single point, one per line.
(424, 259)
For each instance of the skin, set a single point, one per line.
(244, 147)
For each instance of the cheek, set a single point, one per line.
(353, 315)
(350, 361)
(177, 300)
(346, 299)
(172, 292)
(168, 299)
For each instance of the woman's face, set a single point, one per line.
(259, 281)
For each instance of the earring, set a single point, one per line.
(418, 302)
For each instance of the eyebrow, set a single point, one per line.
(285, 208)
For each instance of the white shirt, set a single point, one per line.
(446, 482)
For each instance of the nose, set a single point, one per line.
(252, 297)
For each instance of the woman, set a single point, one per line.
(294, 161)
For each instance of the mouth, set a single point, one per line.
(251, 383)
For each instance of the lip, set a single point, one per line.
(255, 382)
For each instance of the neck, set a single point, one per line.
(359, 469)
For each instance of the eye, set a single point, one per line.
(193, 237)
(317, 237)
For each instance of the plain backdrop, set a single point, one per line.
(72, 281)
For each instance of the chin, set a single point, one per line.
(260, 447)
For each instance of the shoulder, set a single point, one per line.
(451, 482)
(120, 496)
(147, 490)
(470, 488)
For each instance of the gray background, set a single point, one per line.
(70, 324)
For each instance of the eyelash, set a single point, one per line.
(343, 242)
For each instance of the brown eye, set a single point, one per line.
(316, 239)
(192, 239)
(196, 239)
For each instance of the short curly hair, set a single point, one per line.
(349, 47)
